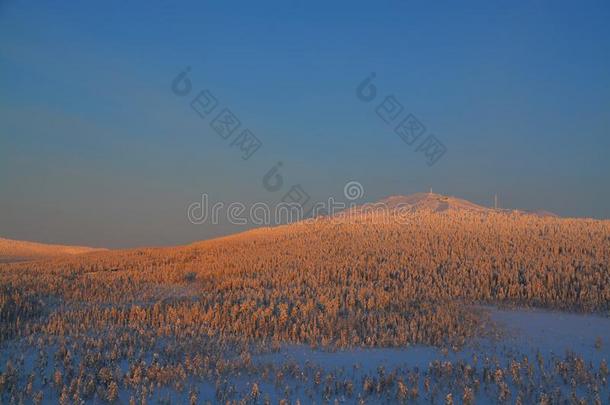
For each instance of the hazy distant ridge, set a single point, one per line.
(16, 250)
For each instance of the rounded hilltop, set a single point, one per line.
(432, 202)
(441, 203)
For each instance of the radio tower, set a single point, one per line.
(496, 201)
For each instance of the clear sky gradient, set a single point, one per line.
(96, 149)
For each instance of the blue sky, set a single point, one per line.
(96, 149)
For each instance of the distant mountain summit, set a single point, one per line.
(438, 203)
(432, 202)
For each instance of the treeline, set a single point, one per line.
(351, 282)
